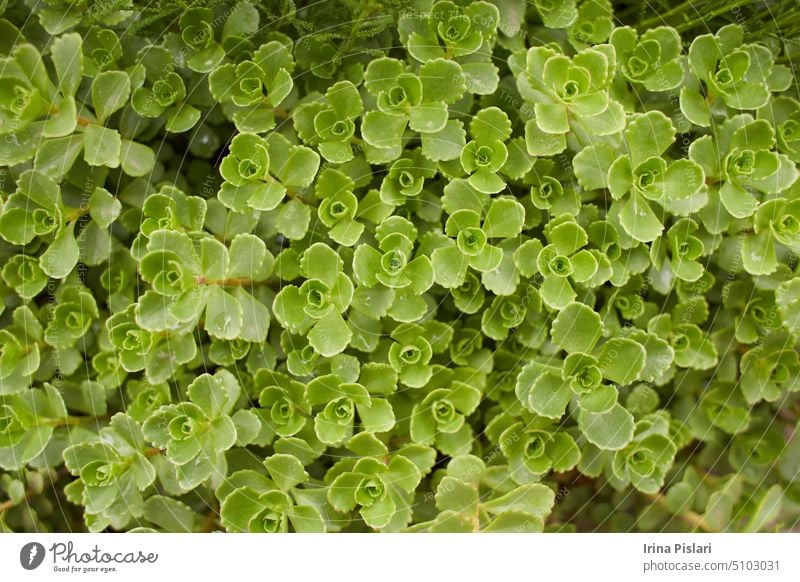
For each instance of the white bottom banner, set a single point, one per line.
(390, 557)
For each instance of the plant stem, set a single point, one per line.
(6, 505)
(74, 420)
(82, 121)
(281, 112)
(693, 518)
(788, 415)
(366, 10)
(231, 282)
(210, 522)
(705, 18)
(76, 213)
(660, 19)
(295, 195)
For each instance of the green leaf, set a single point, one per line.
(683, 179)
(454, 495)
(504, 219)
(639, 220)
(64, 121)
(68, 60)
(577, 328)
(737, 200)
(104, 208)
(248, 427)
(540, 143)
(293, 219)
(551, 118)
(490, 125)
(307, 519)
(330, 335)
(703, 53)
(557, 292)
(620, 177)
(610, 430)
(535, 499)
(443, 79)
(110, 92)
(136, 159)
(549, 396)
(62, 255)
(286, 471)
(767, 510)
(207, 392)
(567, 238)
(449, 266)
(758, 254)
(445, 144)
(300, 167)
(622, 360)
(481, 77)
(515, 522)
(609, 122)
(224, 316)
(649, 135)
(381, 74)
(55, 157)
(182, 118)
(383, 130)
(428, 117)
(25, 450)
(170, 514)
(380, 513)
(248, 256)
(591, 165)
(378, 416)
(345, 100)
(694, 106)
(787, 299)
(101, 146)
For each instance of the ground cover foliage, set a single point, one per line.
(399, 266)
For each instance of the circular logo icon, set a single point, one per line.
(31, 555)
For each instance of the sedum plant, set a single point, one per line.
(439, 266)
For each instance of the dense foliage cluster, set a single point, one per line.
(396, 266)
